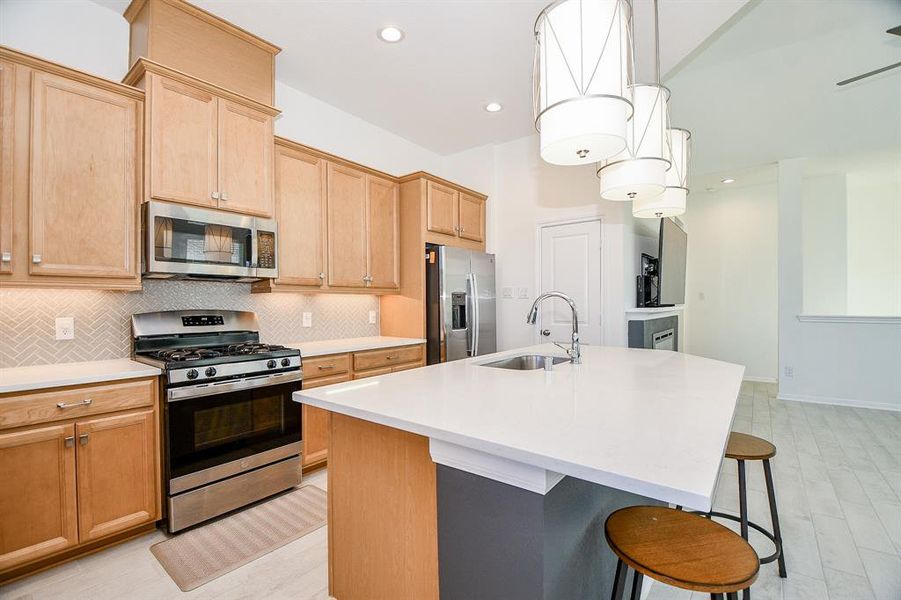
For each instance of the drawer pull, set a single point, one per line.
(70, 441)
(326, 367)
(83, 439)
(390, 357)
(85, 402)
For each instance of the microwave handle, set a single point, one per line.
(254, 249)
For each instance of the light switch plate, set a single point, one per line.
(507, 292)
(372, 317)
(65, 328)
(522, 292)
(307, 319)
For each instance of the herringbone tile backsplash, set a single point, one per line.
(103, 318)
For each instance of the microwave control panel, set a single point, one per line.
(266, 250)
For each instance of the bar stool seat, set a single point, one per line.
(681, 549)
(742, 446)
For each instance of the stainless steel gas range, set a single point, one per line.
(232, 434)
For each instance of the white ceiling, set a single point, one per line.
(764, 89)
(457, 56)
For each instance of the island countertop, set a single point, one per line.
(650, 422)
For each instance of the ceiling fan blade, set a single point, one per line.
(869, 74)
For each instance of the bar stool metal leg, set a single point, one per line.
(743, 509)
(619, 580)
(716, 597)
(636, 586)
(774, 516)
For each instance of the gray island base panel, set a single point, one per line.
(503, 542)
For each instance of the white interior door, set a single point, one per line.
(571, 263)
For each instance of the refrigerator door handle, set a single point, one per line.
(470, 315)
(476, 322)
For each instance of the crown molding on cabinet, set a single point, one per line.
(441, 181)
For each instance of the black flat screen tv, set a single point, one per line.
(672, 254)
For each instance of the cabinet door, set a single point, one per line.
(84, 170)
(183, 142)
(116, 474)
(442, 209)
(346, 227)
(245, 159)
(472, 218)
(383, 233)
(37, 497)
(300, 208)
(316, 422)
(7, 85)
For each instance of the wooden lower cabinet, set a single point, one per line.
(116, 466)
(37, 496)
(70, 483)
(337, 368)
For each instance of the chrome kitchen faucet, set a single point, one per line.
(575, 350)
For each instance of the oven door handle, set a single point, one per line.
(222, 387)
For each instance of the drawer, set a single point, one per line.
(321, 381)
(325, 366)
(374, 359)
(372, 373)
(55, 405)
(406, 367)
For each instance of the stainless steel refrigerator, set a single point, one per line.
(461, 319)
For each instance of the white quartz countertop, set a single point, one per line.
(20, 379)
(321, 348)
(651, 422)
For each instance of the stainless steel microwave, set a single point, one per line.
(201, 243)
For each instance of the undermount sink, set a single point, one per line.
(526, 362)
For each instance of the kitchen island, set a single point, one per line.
(473, 481)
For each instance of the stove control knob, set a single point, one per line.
(286, 362)
(192, 374)
(210, 371)
(271, 364)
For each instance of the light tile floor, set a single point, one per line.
(837, 474)
(838, 486)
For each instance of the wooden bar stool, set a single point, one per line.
(681, 549)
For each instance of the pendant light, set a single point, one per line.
(672, 201)
(639, 172)
(581, 80)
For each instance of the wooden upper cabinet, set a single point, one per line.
(471, 218)
(116, 474)
(245, 159)
(84, 174)
(183, 143)
(347, 245)
(300, 195)
(7, 93)
(37, 498)
(383, 235)
(441, 211)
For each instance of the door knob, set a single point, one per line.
(545, 332)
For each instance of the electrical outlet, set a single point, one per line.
(372, 317)
(523, 292)
(307, 319)
(507, 292)
(789, 371)
(65, 328)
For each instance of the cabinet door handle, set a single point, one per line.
(321, 275)
(6, 256)
(223, 196)
(36, 258)
(214, 195)
(85, 402)
(70, 441)
(83, 439)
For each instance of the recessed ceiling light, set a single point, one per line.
(392, 35)
(493, 107)
(711, 189)
(728, 180)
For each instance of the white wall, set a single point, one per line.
(844, 362)
(824, 234)
(731, 298)
(93, 38)
(524, 193)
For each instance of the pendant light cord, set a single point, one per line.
(656, 43)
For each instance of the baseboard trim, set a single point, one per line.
(839, 402)
(761, 379)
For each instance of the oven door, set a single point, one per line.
(215, 436)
